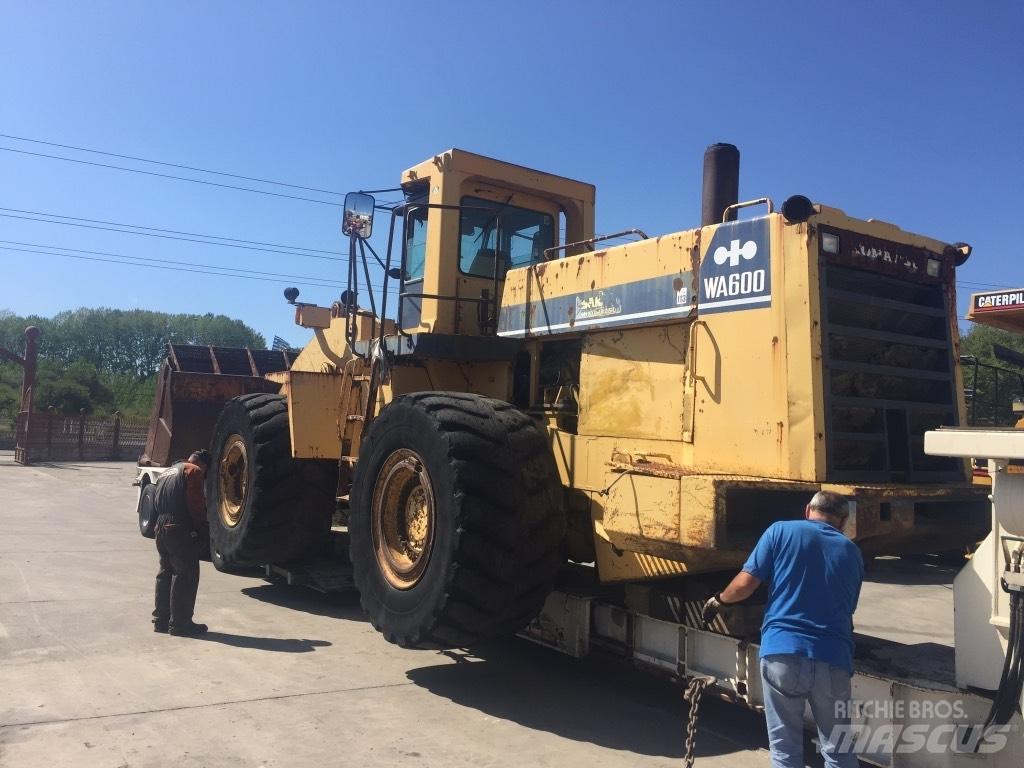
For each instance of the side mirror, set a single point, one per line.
(395, 273)
(358, 219)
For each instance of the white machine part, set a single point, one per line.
(982, 615)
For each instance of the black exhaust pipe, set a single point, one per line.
(721, 183)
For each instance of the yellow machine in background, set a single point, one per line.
(537, 398)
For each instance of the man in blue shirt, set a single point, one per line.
(814, 574)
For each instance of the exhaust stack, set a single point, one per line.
(721, 183)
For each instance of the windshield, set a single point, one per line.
(524, 236)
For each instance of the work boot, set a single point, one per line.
(189, 630)
(160, 627)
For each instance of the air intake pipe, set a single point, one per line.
(721, 183)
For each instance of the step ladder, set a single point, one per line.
(355, 412)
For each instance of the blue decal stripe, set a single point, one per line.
(736, 302)
(615, 305)
(601, 321)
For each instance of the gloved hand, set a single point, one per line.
(711, 609)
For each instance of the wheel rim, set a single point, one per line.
(233, 477)
(144, 508)
(403, 519)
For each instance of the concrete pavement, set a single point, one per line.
(286, 677)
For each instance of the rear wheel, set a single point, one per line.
(456, 520)
(146, 511)
(263, 506)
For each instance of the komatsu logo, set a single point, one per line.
(733, 253)
(738, 273)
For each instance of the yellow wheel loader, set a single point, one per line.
(541, 401)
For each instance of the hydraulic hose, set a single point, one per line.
(1011, 682)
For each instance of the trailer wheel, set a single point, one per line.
(263, 506)
(146, 511)
(456, 520)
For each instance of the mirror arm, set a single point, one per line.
(384, 287)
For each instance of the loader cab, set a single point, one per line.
(468, 219)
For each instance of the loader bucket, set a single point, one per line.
(192, 388)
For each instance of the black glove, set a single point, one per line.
(711, 609)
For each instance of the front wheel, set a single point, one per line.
(263, 506)
(456, 520)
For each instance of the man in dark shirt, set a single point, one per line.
(180, 506)
(814, 575)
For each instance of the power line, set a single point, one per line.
(171, 176)
(172, 237)
(328, 282)
(987, 285)
(171, 231)
(175, 165)
(167, 264)
(157, 266)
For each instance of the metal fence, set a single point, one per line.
(7, 431)
(50, 436)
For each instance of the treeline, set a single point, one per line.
(131, 342)
(105, 360)
(990, 392)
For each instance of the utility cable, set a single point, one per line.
(172, 266)
(176, 165)
(326, 280)
(986, 285)
(171, 176)
(173, 237)
(170, 231)
(157, 266)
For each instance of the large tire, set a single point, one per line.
(147, 511)
(481, 473)
(264, 506)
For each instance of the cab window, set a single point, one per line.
(416, 244)
(524, 235)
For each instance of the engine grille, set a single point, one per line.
(889, 377)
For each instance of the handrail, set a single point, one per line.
(643, 236)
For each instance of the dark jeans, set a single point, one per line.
(177, 581)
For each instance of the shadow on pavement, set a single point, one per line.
(72, 466)
(277, 644)
(919, 571)
(606, 704)
(341, 605)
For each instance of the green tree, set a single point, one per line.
(993, 384)
(73, 388)
(105, 359)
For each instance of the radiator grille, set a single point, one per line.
(889, 377)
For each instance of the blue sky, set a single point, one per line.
(908, 112)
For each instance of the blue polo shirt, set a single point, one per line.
(814, 575)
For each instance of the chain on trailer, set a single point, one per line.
(694, 692)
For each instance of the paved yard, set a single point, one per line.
(287, 677)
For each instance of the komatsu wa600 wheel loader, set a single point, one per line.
(644, 410)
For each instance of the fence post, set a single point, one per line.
(22, 441)
(50, 413)
(81, 434)
(115, 449)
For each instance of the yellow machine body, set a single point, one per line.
(695, 386)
